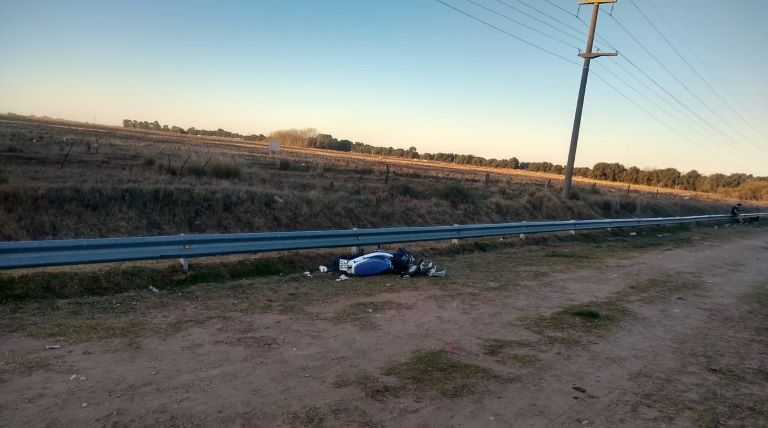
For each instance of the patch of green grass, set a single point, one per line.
(352, 416)
(494, 347)
(58, 285)
(361, 312)
(523, 360)
(307, 416)
(372, 386)
(26, 365)
(662, 287)
(758, 300)
(88, 329)
(438, 371)
(595, 318)
(568, 254)
(672, 406)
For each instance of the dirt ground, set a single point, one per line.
(560, 333)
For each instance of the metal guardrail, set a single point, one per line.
(27, 254)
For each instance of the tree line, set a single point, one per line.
(745, 186)
(155, 126)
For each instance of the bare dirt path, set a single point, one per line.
(664, 337)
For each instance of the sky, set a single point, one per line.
(407, 73)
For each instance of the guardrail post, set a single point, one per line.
(455, 241)
(356, 249)
(522, 235)
(183, 260)
(572, 231)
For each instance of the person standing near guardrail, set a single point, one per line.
(736, 213)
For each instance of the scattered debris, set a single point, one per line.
(633, 234)
(73, 377)
(53, 347)
(580, 389)
(342, 278)
(153, 289)
(307, 274)
(323, 269)
(380, 262)
(84, 405)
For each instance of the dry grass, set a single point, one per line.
(125, 188)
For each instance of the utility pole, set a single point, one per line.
(587, 55)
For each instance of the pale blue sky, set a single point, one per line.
(398, 73)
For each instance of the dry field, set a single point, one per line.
(61, 180)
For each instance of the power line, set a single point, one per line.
(561, 8)
(522, 24)
(578, 30)
(597, 35)
(654, 103)
(520, 39)
(661, 121)
(677, 79)
(646, 85)
(711, 88)
(541, 20)
(731, 144)
(692, 69)
(507, 32)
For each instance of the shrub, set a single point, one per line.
(457, 194)
(148, 161)
(284, 165)
(223, 170)
(402, 188)
(196, 170)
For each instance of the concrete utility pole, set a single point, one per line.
(587, 55)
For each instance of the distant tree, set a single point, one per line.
(691, 180)
(631, 175)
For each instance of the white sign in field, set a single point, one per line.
(274, 147)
